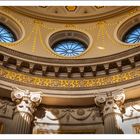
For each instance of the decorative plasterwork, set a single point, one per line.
(110, 79)
(106, 78)
(71, 13)
(66, 115)
(69, 62)
(79, 68)
(132, 110)
(37, 33)
(55, 119)
(71, 8)
(43, 82)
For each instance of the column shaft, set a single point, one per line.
(112, 124)
(22, 123)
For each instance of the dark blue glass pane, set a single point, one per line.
(69, 48)
(133, 36)
(6, 35)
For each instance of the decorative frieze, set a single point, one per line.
(67, 120)
(68, 115)
(45, 82)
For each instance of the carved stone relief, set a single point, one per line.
(6, 108)
(67, 120)
(68, 115)
(132, 110)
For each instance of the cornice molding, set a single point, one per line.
(70, 18)
(87, 68)
(69, 62)
(75, 84)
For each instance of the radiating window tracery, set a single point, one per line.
(69, 48)
(6, 35)
(133, 35)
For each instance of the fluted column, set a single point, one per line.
(111, 106)
(26, 102)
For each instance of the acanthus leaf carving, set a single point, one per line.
(25, 100)
(111, 102)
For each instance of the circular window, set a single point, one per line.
(133, 35)
(69, 43)
(69, 47)
(128, 31)
(6, 34)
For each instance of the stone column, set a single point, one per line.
(111, 106)
(26, 102)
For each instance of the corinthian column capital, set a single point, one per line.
(111, 105)
(25, 100)
(111, 102)
(118, 96)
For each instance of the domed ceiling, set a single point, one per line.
(37, 24)
(73, 14)
(105, 62)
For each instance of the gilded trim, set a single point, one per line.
(44, 82)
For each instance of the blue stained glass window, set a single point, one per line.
(6, 35)
(69, 48)
(133, 35)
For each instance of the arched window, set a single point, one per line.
(69, 47)
(6, 34)
(133, 35)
